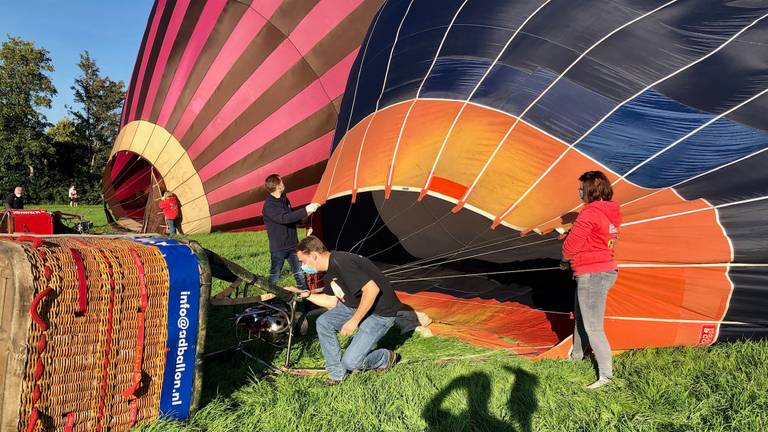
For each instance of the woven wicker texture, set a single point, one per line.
(89, 359)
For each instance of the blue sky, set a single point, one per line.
(110, 30)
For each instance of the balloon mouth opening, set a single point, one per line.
(490, 287)
(132, 186)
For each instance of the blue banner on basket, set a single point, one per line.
(183, 318)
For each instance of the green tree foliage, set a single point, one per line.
(63, 132)
(26, 156)
(46, 159)
(96, 120)
(69, 154)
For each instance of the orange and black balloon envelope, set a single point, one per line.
(466, 125)
(225, 93)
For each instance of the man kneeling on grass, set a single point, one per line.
(358, 297)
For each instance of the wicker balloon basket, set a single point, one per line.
(99, 333)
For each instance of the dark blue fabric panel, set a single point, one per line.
(629, 60)
(479, 33)
(343, 119)
(529, 52)
(484, 27)
(499, 14)
(417, 47)
(639, 129)
(346, 104)
(568, 109)
(720, 142)
(746, 227)
(549, 41)
(660, 44)
(375, 65)
(454, 78)
(548, 44)
(749, 304)
(623, 64)
(345, 112)
(633, 58)
(754, 114)
(733, 333)
(747, 230)
(510, 89)
(742, 180)
(561, 31)
(578, 24)
(728, 77)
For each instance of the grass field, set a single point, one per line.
(720, 388)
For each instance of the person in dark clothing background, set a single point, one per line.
(15, 200)
(281, 220)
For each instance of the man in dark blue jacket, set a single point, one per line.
(281, 220)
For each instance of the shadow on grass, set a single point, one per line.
(394, 339)
(522, 404)
(226, 370)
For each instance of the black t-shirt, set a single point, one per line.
(349, 273)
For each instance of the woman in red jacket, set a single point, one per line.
(590, 248)
(170, 207)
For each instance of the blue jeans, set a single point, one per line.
(589, 312)
(358, 355)
(171, 227)
(278, 259)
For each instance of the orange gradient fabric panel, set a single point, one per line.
(491, 323)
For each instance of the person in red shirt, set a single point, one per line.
(170, 207)
(589, 247)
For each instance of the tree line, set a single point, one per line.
(45, 158)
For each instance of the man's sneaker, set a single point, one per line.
(332, 382)
(599, 383)
(393, 359)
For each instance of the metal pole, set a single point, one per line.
(292, 305)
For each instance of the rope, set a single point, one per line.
(476, 274)
(482, 245)
(384, 224)
(82, 369)
(3, 218)
(472, 256)
(108, 340)
(480, 234)
(43, 342)
(361, 242)
(410, 235)
(343, 225)
(130, 392)
(70, 422)
(81, 284)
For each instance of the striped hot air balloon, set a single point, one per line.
(466, 125)
(223, 94)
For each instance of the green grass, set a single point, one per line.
(720, 388)
(92, 213)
